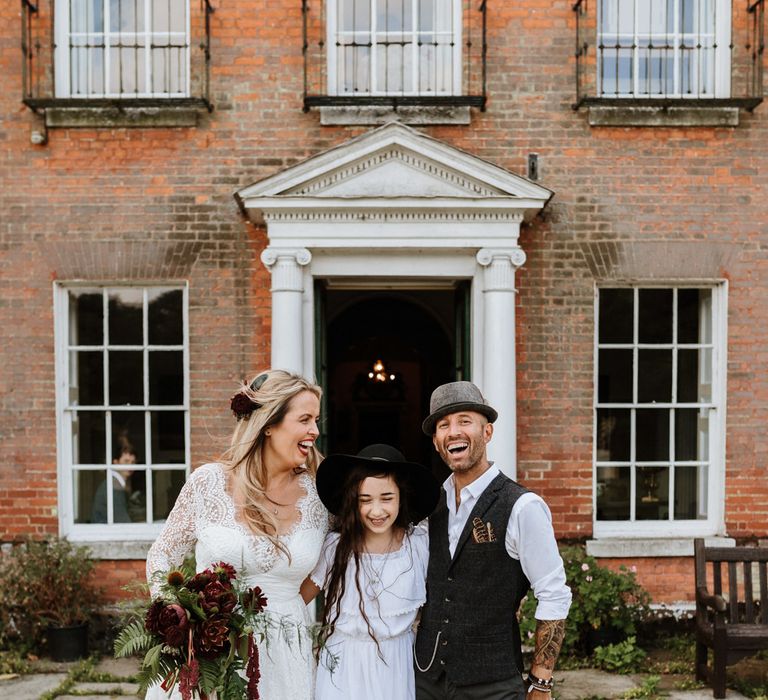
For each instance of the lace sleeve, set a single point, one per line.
(177, 537)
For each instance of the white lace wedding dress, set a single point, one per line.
(203, 519)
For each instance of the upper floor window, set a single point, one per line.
(385, 47)
(658, 421)
(664, 48)
(122, 407)
(122, 48)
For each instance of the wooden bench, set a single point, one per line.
(733, 624)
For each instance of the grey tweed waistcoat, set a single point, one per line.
(469, 622)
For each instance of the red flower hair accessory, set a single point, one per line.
(243, 405)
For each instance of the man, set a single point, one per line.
(125, 458)
(490, 540)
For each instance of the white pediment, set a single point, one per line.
(393, 168)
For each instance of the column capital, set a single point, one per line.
(514, 256)
(296, 256)
(500, 265)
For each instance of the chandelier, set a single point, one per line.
(379, 373)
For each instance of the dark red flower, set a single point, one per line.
(173, 625)
(217, 597)
(212, 637)
(254, 600)
(242, 406)
(189, 679)
(199, 581)
(252, 671)
(224, 571)
(152, 620)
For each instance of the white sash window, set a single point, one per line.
(659, 410)
(122, 48)
(664, 48)
(394, 47)
(123, 407)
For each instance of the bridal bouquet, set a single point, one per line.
(198, 634)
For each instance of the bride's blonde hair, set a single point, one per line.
(271, 392)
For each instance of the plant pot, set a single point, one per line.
(603, 636)
(68, 643)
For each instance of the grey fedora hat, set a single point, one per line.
(455, 397)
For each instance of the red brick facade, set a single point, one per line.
(631, 204)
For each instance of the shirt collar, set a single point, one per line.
(119, 478)
(477, 486)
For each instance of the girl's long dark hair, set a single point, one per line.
(351, 543)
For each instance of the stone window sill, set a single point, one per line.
(625, 547)
(127, 550)
(379, 114)
(665, 112)
(70, 113)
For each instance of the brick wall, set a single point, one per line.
(156, 205)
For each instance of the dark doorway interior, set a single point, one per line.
(385, 351)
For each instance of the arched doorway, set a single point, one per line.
(384, 353)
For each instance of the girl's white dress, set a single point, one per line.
(203, 519)
(394, 589)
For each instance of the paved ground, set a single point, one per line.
(571, 685)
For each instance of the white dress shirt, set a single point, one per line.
(529, 538)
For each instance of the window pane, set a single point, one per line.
(690, 493)
(652, 435)
(654, 376)
(89, 444)
(166, 378)
(692, 434)
(165, 317)
(137, 496)
(694, 307)
(126, 378)
(168, 441)
(86, 378)
(694, 375)
(166, 486)
(128, 436)
(90, 504)
(355, 15)
(652, 494)
(615, 322)
(614, 382)
(613, 489)
(394, 15)
(655, 316)
(613, 435)
(125, 317)
(87, 318)
(652, 17)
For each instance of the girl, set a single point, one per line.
(373, 571)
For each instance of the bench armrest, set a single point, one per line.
(716, 602)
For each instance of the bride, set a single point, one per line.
(258, 509)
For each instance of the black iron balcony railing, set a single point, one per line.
(124, 52)
(669, 52)
(394, 53)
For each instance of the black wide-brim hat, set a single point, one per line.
(424, 490)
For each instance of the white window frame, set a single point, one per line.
(332, 31)
(714, 524)
(96, 532)
(722, 84)
(62, 75)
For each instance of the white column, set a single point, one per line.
(499, 365)
(286, 266)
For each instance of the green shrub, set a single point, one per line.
(44, 584)
(623, 657)
(608, 601)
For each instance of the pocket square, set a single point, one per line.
(482, 532)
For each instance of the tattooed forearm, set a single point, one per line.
(549, 639)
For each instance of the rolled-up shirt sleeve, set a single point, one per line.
(530, 538)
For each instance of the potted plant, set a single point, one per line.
(49, 594)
